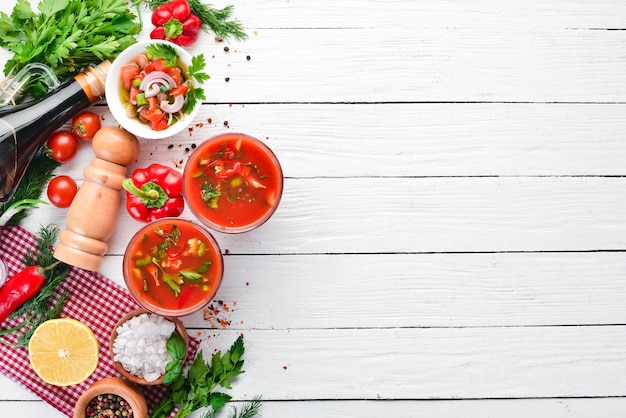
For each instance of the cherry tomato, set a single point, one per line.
(85, 125)
(62, 145)
(61, 191)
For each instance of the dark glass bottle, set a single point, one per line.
(25, 128)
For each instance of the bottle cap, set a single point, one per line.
(93, 80)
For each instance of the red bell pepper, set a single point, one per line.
(154, 192)
(175, 22)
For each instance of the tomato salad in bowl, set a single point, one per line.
(152, 88)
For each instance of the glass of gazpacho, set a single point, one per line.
(173, 267)
(233, 182)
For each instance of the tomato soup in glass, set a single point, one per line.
(233, 182)
(173, 267)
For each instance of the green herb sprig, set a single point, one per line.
(31, 187)
(43, 305)
(198, 389)
(66, 35)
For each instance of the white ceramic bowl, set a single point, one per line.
(114, 100)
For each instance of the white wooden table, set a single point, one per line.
(451, 239)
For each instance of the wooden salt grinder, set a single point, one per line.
(93, 213)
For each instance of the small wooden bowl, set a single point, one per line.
(180, 329)
(116, 386)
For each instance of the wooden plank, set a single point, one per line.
(426, 290)
(424, 364)
(432, 65)
(399, 140)
(418, 363)
(449, 63)
(424, 215)
(476, 14)
(413, 290)
(539, 408)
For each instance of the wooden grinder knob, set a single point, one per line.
(93, 213)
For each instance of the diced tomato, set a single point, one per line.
(176, 74)
(152, 104)
(128, 72)
(161, 125)
(156, 65)
(134, 91)
(179, 90)
(154, 116)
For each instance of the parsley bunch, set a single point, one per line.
(66, 35)
(198, 388)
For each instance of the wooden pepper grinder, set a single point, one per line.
(93, 213)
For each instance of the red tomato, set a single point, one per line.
(61, 191)
(63, 146)
(85, 125)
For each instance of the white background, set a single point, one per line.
(451, 238)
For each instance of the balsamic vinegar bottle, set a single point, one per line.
(25, 128)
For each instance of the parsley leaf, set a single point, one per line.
(163, 51)
(175, 346)
(195, 69)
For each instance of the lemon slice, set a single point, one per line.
(63, 351)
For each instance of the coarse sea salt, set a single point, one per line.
(140, 345)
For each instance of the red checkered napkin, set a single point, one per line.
(94, 300)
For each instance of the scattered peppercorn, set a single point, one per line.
(226, 49)
(170, 146)
(187, 149)
(193, 146)
(248, 57)
(227, 79)
(225, 123)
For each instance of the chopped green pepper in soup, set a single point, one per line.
(154, 90)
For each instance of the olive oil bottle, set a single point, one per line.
(25, 128)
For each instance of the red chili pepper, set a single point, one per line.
(174, 22)
(20, 288)
(223, 170)
(154, 192)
